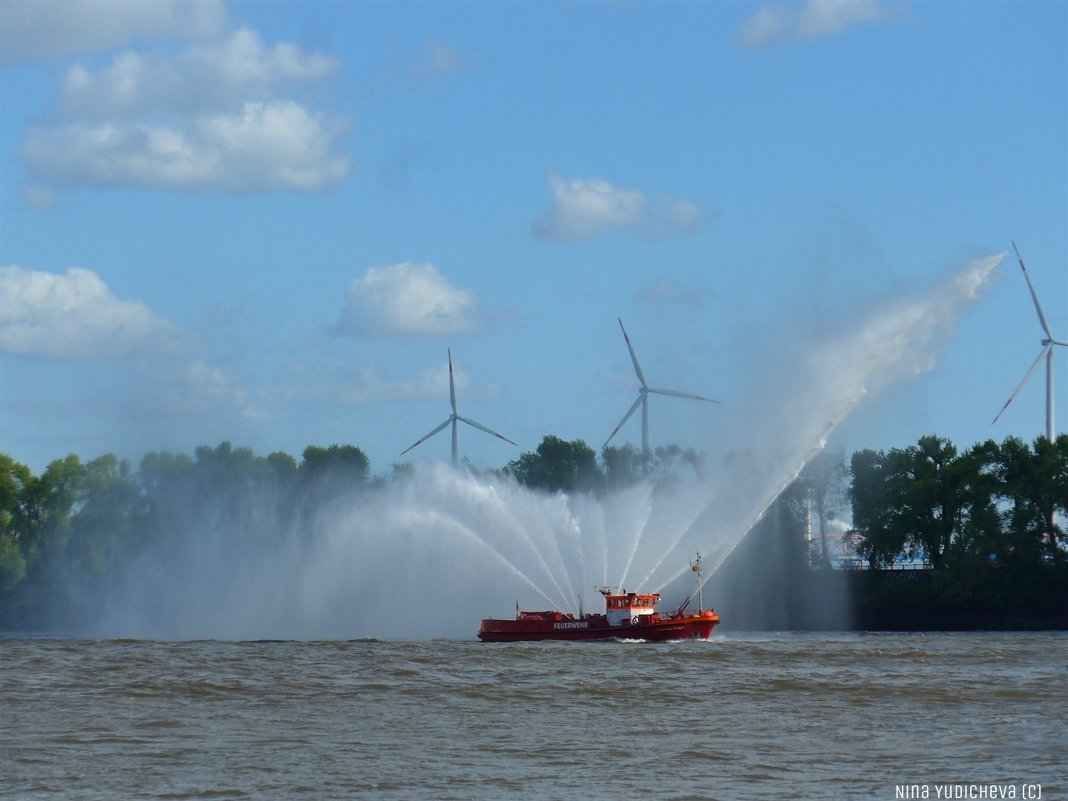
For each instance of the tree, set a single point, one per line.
(624, 465)
(665, 458)
(341, 458)
(879, 540)
(981, 532)
(39, 524)
(282, 466)
(823, 484)
(932, 495)
(108, 507)
(159, 470)
(1052, 460)
(50, 500)
(558, 466)
(13, 477)
(1034, 482)
(922, 500)
(167, 481)
(328, 474)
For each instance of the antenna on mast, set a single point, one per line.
(695, 566)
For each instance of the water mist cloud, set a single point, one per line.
(895, 344)
(431, 553)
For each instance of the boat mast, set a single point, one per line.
(695, 566)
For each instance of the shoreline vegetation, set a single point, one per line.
(940, 539)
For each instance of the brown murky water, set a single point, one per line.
(806, 716)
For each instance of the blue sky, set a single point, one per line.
(267, 222)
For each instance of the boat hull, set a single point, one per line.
(687, 627)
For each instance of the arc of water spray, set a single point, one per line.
(455, 418)
(565, 595)
(557, 552)
(644, 391)
(594, 542)
(524, 536)
(471, 534)
(1046, 353)
(575, 527)
(641, 529)
(913, 332)
(841, 412)
(684, 530)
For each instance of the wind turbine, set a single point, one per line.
(1046, 352)
(454, 418)
(643, 398)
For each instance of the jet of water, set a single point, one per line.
(430, 554)
(897, 344)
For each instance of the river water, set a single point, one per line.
(760, 716)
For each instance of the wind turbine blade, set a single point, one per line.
(626, 417)
(677, 394)
(1027, 375)
(426, 437)
(1034, 295)
(633, 358)
(452, 385)
(487, 430)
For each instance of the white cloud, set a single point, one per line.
(671, 217)
(261, 146)
(212, 117)
(779, 22)
(74, 316)
(37, 30)
(407, 301)
(592, 207)
(222, 76)
(202, 388)
(585, 209)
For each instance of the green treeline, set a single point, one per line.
(70, 534)
(948, 540)
(997, 503)
(988, 519)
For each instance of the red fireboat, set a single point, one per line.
(627, 615)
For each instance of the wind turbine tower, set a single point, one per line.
(644, 391)
(453, 419)
(1047, 353)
